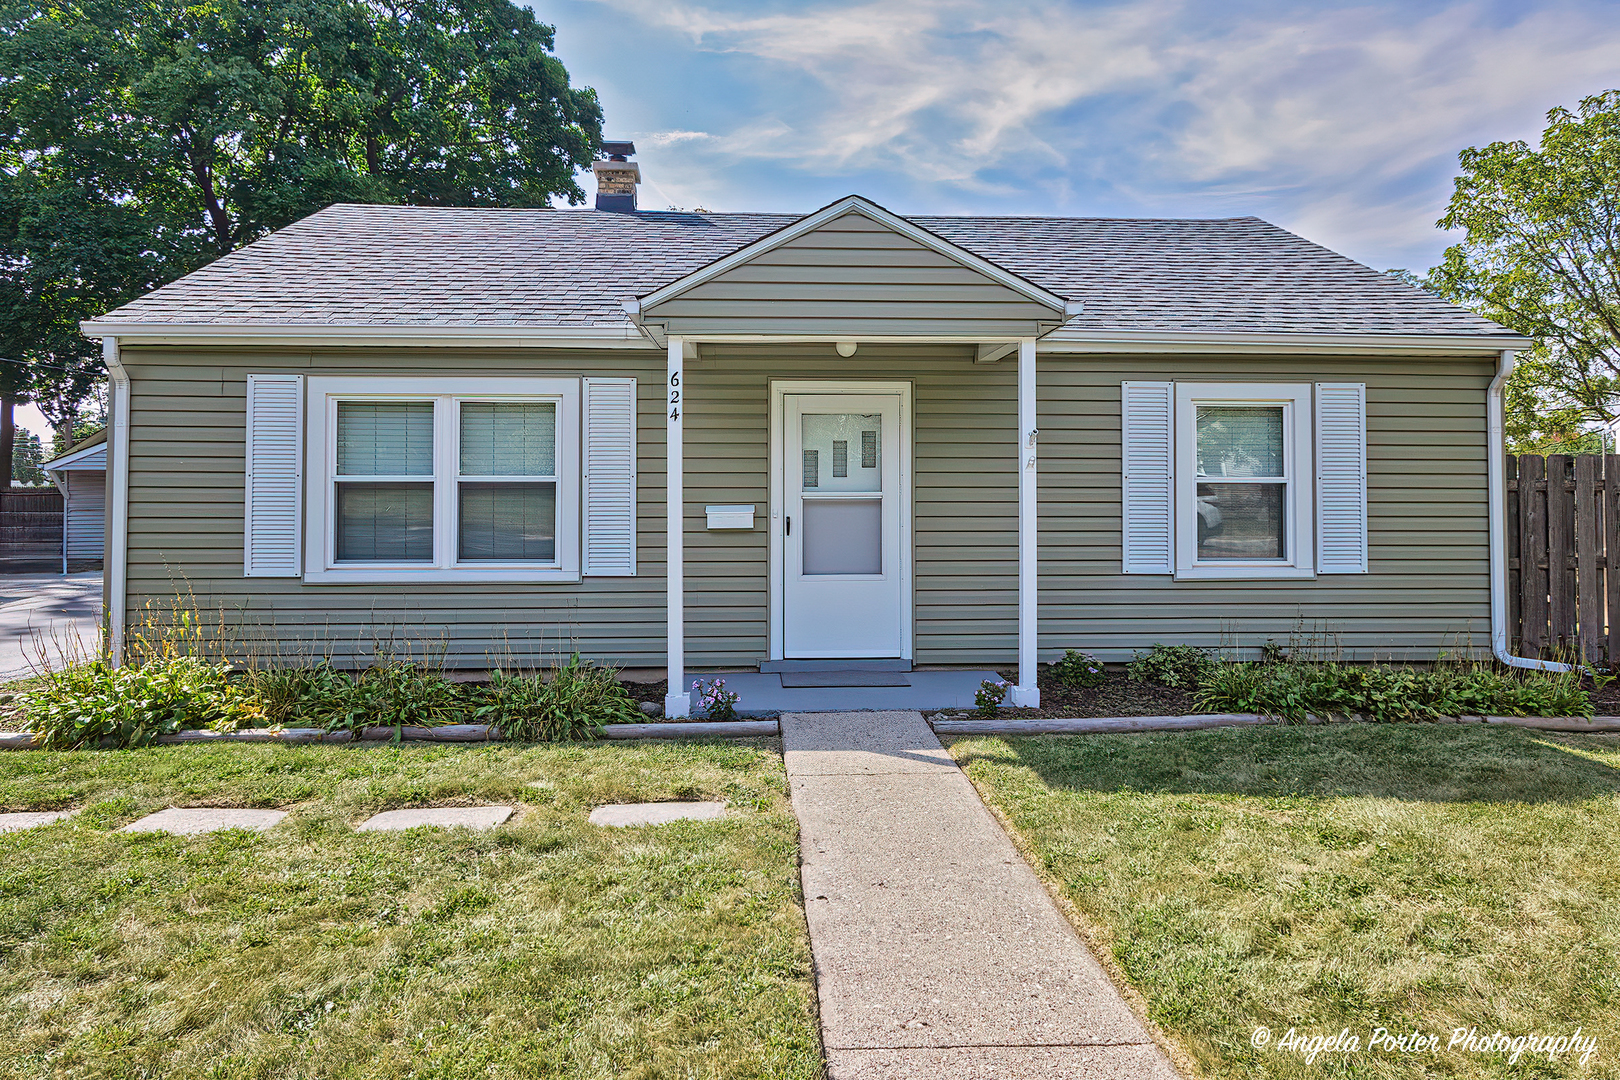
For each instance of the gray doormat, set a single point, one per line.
(796, 679)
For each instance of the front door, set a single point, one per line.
(844, 586)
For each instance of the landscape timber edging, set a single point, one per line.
(1103, 725)
(741, 729)
(754, 729)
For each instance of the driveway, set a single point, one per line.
(46, 616)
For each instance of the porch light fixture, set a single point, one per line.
(846, 348)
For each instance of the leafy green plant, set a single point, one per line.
(990, 695)
(88, 702)
(573, 704)
(715, 700)
(1180, 667)
(1079, 670)
(1390, 694)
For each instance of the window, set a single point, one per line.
(443, 479)
(1242, 481)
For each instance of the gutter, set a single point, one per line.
(115, 588)
(1496, 472)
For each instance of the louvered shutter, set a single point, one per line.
(610, 477)
(273, 516)
(1149, 491)
(1341, 478)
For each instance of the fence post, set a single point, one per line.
(1560, 546)
(1588, 584)
(1532, 554)
(1515, 557)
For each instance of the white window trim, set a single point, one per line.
(1300, 529)
(446, 393)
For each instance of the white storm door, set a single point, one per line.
(843, 593)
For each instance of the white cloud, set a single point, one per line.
(1340, 121)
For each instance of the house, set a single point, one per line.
(80, 474)
(700, 441)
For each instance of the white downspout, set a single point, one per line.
(115, 585)
(1496, 474)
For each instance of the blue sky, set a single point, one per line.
(1341, 121)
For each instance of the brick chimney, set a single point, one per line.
(617, 177)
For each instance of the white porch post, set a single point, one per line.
(677, 701)
(1027, 691)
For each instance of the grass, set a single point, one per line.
(1414, 877)
(547, 948)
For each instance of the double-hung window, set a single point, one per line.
(443, 479)
(1243, 480)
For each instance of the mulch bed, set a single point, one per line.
(1605, 702)
(1117, 696)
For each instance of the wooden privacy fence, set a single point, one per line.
(1563, 530)
(30, 530)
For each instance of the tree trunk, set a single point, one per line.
(8, 438)
(64, 435)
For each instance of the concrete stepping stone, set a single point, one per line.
(438, 817)
(195, 820)
(622, 815)
(18, 822)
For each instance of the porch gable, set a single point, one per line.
(853, 270)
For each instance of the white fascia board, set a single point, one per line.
(867, 208)
(862, 339)
(514, 337)
(1157, 341)
(79, 459)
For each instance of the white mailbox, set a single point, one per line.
(730, 517)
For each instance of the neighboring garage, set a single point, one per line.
(81, 476)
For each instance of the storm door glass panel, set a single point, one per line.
(842, 457)
(1243, 483)
(507, 488)
(843, 536)
(383, 497)
(842, 452)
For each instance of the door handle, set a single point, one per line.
(789, 526)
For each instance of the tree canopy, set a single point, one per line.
(140, 139)
(1541, 254)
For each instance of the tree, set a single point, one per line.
(30, 454)
(1541, 254)
(140, 139)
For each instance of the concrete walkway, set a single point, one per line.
(937, 951)
(46, 617)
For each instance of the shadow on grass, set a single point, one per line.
(1415, 762)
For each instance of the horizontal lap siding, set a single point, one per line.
(1428, 531)
(1427, 509)
(851, 276)
(964, 507)
(187, 457)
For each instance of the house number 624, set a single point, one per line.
(675, 395)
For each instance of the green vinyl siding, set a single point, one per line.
(1428, 588)
(964, 497)
(1428, 585)
(187, 453)
(852, 277)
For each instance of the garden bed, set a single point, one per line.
(1117, 696)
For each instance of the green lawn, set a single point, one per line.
(547, 948)
(1405, 876)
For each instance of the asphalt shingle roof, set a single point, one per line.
(355, 265)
